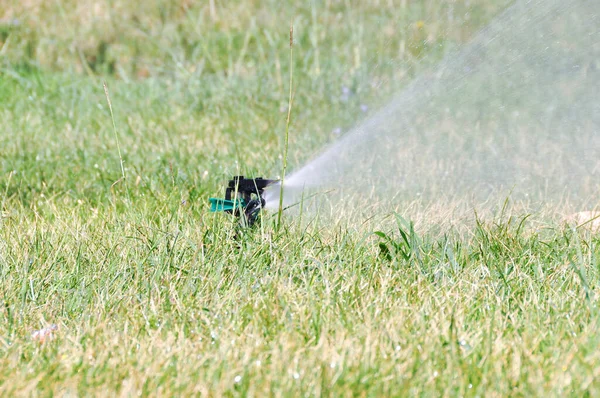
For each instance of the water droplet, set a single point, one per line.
(464, 345)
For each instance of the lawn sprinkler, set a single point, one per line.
(243, 197)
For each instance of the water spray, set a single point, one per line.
(513, 111)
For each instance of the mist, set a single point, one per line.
(516, 111)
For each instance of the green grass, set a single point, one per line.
(150, 292)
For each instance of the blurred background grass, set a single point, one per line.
(139, 39)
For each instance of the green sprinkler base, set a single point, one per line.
(218, 204)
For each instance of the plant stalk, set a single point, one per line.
(287, 127)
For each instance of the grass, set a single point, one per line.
(150, 293)
(287, 131)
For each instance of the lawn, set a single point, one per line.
(107, 242)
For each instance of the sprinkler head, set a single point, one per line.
(243, 198)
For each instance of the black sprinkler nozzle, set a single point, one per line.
(243, 197)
